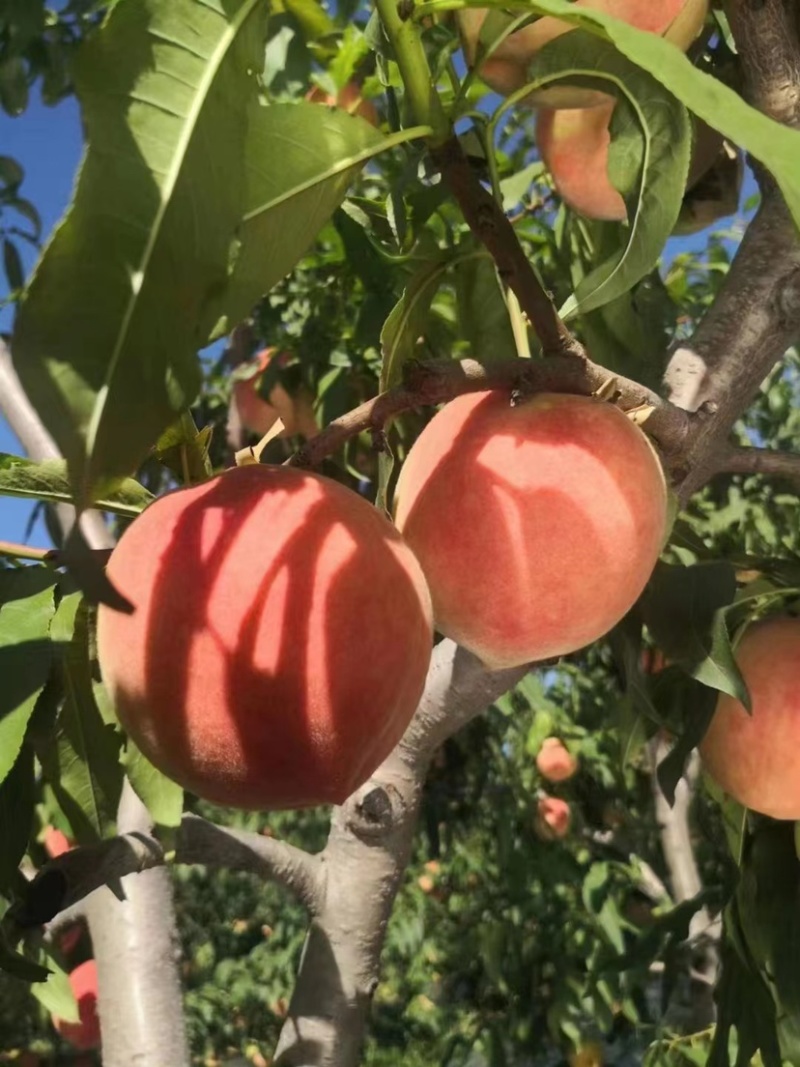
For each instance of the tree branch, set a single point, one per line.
(676, 844)
(756, 314)
(83, 870)
(368, 849)
(134, 940)
(437, 382)
(759, 461)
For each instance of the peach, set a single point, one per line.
(756, 758)
(653, 661)
(554, 762)
(349, 98)
(84, 1034)
(537, 525)
(259, 416)
(573, 144)
(553, 818)
(280, 639)
(56, 842)
(506, 70)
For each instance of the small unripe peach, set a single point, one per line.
(554, 762)
(280, 639)
(756, 758)
(537, 525)
(84, 1034)
(553, 818)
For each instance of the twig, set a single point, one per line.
(489, 223)
(436, 382)
(83, 870)
(15, 551)
(759, 461)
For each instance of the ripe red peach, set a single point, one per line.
(554, 762)
(537, 525)
(573, 145)
(756, 758)
(506, 70)
(280, 638)
(553, 818)
(84, 1034)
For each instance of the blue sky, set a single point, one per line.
(47, 143)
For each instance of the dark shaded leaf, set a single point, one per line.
(81, 760)
(683, 608)
(17, 799)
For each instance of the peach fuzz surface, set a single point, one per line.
(280, 639)
(756, 758)
(537, 525)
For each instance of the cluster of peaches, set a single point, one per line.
(573, 122)
(283, 627)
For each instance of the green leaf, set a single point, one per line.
(407, 319)
(767, 896)
(27, 606)
(684, 609)
(17, 800)
(11, 173)
(49, 481)
(55, 994)
(743, 1003)
(162, 797)
(81, 760)
(648, 158)
(13, 85)
(688, 706)
(184, 450)
(777, 146)
(482, 310)
(106, 337)
(15, 275)
(300, 162)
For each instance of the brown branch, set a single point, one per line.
(437, 382)
(676, 844)
(83, 870)
(368, 849)
(17, 551)
(489, 223)
(755, 317)
(759, 461)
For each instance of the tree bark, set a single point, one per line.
(134, 939)
(368, 850)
